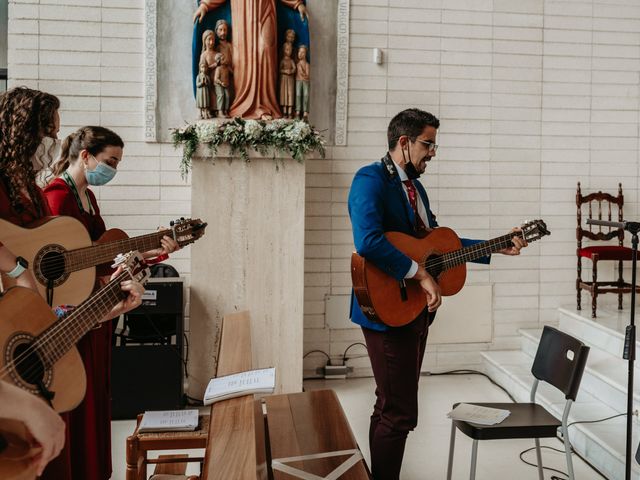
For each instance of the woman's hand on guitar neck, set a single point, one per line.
(134, 292)
(431, 288)
(169, 245)
(518, 244)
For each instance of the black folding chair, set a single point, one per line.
(560, 361)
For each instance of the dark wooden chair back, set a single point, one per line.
(600, 206)
(560, 361)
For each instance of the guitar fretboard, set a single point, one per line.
(470, 253)
(86, 257)
(58, 339)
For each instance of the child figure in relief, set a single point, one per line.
(203, 98)
(287, 81)
(302, 84)
(221, 81)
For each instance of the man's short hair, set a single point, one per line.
(410, 122)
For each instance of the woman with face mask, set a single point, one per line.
(27, 117)
(89, 158)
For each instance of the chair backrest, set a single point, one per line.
(560, 361)
(601, 206)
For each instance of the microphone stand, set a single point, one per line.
(629, 352)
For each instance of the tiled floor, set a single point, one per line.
(427, 447)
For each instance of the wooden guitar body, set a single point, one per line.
(43, 244)
(17, 451)
(112, 235)
(61, 255)
(395, 303)
(379, 294)
(24, 316)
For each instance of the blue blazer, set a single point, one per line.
(378, 204)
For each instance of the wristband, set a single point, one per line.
(158, 259)
(21, 266)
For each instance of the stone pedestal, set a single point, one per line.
(251, 258)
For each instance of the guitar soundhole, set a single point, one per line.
(435, 265)
(29, 365)
(49, 266)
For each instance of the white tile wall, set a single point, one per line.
(533, 96)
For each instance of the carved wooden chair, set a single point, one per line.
(601, 206)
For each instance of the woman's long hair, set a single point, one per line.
(90, 138)
(26, 117)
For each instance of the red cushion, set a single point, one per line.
(607, 252)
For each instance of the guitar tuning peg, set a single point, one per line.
(172, 223)
(182, 218)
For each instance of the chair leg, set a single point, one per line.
(539, 457)
(578, 288)
(567, 450)
(452, 445)
(620, 284)
(594, 287)
(474, 460)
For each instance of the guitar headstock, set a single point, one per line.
(534, 230)
(187, 230)
(134, 265)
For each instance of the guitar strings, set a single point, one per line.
(116, 244)
(39, 346)
(62, 324)
(43, 340)
(468, 252)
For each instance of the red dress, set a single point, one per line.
(60, 467)
(90, 423)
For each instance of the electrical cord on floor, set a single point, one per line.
(553, 477)
(344, 355)
(470, 372)
(318, 351)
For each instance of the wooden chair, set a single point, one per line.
(605, 204)
(560, 361)
(167, 466)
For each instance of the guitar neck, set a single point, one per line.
(58, 339)
(472, 252)
(82, 258)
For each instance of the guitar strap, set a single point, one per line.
(390, 167)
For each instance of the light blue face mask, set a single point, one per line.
(100, 175)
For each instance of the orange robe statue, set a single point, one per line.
(255, 54)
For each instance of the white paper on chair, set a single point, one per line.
(169, 421)
(477, 414)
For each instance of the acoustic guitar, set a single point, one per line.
(63, 260)
(382, 298)
(38, 351)
(17, 451)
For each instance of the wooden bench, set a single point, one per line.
(281, 437)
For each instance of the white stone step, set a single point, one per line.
(605, 376)
(602, 444)
(605, 332)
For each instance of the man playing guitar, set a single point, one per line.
(386, 196)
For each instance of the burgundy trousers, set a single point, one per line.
(396, 356)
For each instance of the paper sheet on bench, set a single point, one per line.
(477, 414)
(238, 384)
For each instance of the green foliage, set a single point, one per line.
(292, 137)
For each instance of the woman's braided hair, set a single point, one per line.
(26, 117)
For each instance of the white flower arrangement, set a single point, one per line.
(293, 137)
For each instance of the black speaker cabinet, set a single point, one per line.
(147, 364)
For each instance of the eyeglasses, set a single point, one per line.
(431, 147)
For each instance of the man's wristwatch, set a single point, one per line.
(21, 266)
